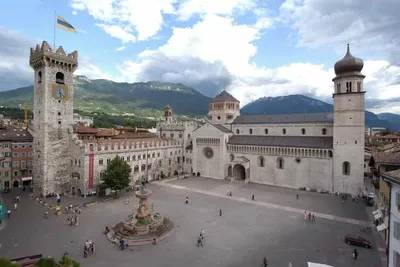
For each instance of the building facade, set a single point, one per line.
(16, 153)
(85, 120)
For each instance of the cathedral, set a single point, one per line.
(318, 151)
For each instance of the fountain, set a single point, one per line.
(141, 227)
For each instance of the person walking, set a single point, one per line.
(313, 218)
(253, 198)
(265, 262)
(202, 233)
(230, 193)
(15, 206)
(199, 242)
(297, 196)
(220, 212)
(305, 215)
(355, 254)
(187, 200)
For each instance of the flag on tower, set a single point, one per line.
(63, 24)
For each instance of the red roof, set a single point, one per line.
(82, 129)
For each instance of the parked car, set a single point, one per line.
(357, 240)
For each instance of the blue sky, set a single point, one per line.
(254, 48)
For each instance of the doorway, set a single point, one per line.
(16, 183)
(239, 172)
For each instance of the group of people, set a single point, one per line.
(308, 216)
(89, 247)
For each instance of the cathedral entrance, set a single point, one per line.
(239, 172)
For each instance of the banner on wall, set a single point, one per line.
(91, 171)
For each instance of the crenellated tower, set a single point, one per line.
(52, 117)
(349, 125)
(224, 108)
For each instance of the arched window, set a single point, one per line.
(283, 131)
(102, 175)
(323, 131)
(39, 80)
(303, 131)
(79, 162)
(108, 161)
(280, 163)
(338, 88)
(346, 168)
(144, 156)
(128, 158)
(237, 131)
(330, 153)
(153, 155)
(261, 161)
(136, 168)
(250, 131)
(101, 161)
(143, 167)
(60, 79)
(266, 131)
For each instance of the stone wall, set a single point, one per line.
(314, 129)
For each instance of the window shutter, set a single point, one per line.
(395, 230)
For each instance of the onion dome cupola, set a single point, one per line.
(349, 65)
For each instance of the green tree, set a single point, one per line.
(47, 262)
(116, 175)
(68, 262)
(7, 263)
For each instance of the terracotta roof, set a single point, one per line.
(283, 141)
(383, 157)
(154, 139)
(224, 96)
(390, 136)
(82, 129)
(284, 118)
(12, 133)
(106, 133)
(395, 173)
(130, 135)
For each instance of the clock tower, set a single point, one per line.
(52, 117)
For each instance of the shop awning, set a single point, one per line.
(26, 178)
(381, 227)
(378, 215)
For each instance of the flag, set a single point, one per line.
(63, 24)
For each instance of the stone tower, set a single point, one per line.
(168, 113)
(348, 125)
(224, 108)
(52, 117)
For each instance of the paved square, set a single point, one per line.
(245, 233)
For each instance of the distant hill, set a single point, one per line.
(302, 104)
(142, 99)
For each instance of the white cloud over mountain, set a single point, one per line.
(217, 51)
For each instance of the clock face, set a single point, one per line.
(208, 152)
(60, 92)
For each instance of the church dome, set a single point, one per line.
(349, 64)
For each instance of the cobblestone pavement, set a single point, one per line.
(242, 236)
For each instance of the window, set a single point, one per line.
(15, 155)
(60, 79)
(143, 168)
(149, 166)
(219, 117)
(15, 164)
(323, 131)
(122, 158)
(15, 146)
(6, 164)
(153, 155)
(172, 135)
(266, 131)
(136, 169)
(280, 163)
(159, 163)
(101, 161)
(237, 131)
(59, 113)
(39, 77)
(23, 154)
(108, 161)
(261, 161)
(359, 87)
(139, 157)
(396, 230)
(283, 131)
(144, 156)
(230, 117)
(133, 158)
(163, 135)
(346, 168)
(188, 135)
(250, 131)
(303, 131)
(128, 158)
(6, 146)
(330, 153)
(338, 88)
(158, 154)
(180, 135)
(29, 171)
(169, 162)
(231, 157)
(6, 174)
(30, 163)
(396, 259)
(23, 164)
(348, 87)
(16, 173)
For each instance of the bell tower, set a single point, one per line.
(52, 117)
(168, 113)
(348, 125)
(223, 109)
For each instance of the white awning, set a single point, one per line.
(375, 212)
(381, 227)
(26, 178)
(378, 215)
(312, 264)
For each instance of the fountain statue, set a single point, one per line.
(142, 225)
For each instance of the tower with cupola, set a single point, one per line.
(348, 125)
(53, 117)
(223, 109)
(168, 113)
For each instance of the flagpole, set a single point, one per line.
(54, 33)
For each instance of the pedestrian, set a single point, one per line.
(305, 215)
(309, 216)
(297, 196)
(220, 212)
(154, 241)
(202, 233)
(313, 218)
(355, 254)
(8, 213)
(15, 206)
(265, 262)
(230, 193)
(187, 200)
(253, 198)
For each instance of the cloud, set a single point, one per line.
(370, 27)
(15, 71)
(132, 19)
(121, 48)
(74, 13)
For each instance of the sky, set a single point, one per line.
(252, 48)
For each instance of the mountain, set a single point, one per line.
(142, 99)
(302, 104)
